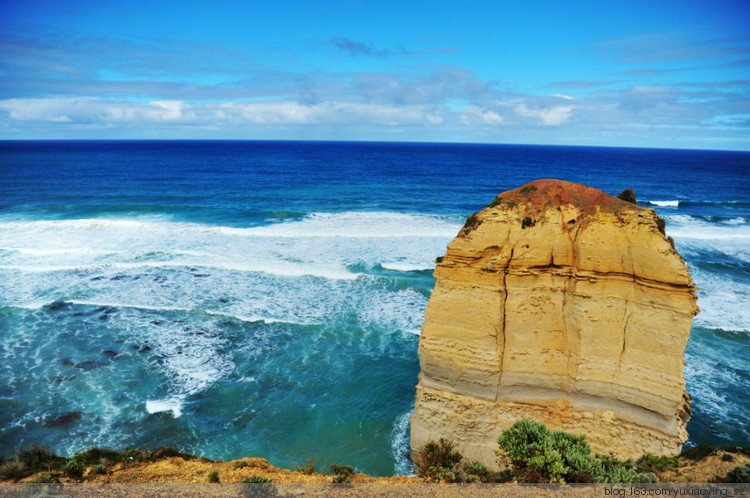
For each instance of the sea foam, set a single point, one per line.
(665, 203)
(165, 405)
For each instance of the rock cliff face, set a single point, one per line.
(564, 304)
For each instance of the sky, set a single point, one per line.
(635, 73)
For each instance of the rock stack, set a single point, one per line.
(563, 304)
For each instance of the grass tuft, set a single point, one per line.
(306, 467)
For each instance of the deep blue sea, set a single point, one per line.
(265, 298)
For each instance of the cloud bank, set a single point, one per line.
(66, 85)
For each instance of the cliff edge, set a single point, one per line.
(560, 303)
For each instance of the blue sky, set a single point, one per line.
(608, 73)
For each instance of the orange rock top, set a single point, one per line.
(539, 195)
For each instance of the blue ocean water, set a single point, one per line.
(265, 298)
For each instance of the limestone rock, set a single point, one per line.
(564, 304)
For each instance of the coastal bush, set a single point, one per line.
(165, 452)
(74, 469)
(472, 222)
(436, 459)
(37, 458)
(342, 469)
(441, 461)
(699, 452)
(528, 189)
(213, 476)
(42, 479)
(739, 474)
(481, 471)
(240, 464)
(256, 486)
(539, 455)
(93, 456)
(652, 463)
(256, 480)
(342, 473)
(98, 469)
(740, 450)
(13, 470)
(627, 195)
(496, 202)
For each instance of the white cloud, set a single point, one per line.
(267, 112)
(550, 116)
(635, 116)
(166, 110)
(473, 115)
(92, 110)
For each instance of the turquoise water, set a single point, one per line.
(265, 298)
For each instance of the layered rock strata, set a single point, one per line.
(563, 304)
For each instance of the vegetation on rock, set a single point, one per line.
(440, 462)
(538, 455)
(342, 473)
(740, 474)
(306, 467)
(13, 470)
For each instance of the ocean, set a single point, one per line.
(236, 299)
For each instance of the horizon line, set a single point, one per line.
(395, 142)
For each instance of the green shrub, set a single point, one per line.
(436, 459)
(528, 189)
(256, 486)
(481, 471)
(94, 456)
(13, 469)
(651, 463)
(213, 476)
(699, 452)
(441, 462)
(165, 452)
(74, 469)
(739, 474)
(498, 200)
(37, 458)
(472, 222)
(256, 480)
(98, 469)
(42, 479)
(240, 464)
(539, 455)
(506, 475)
(344, 470)
(342, 473)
